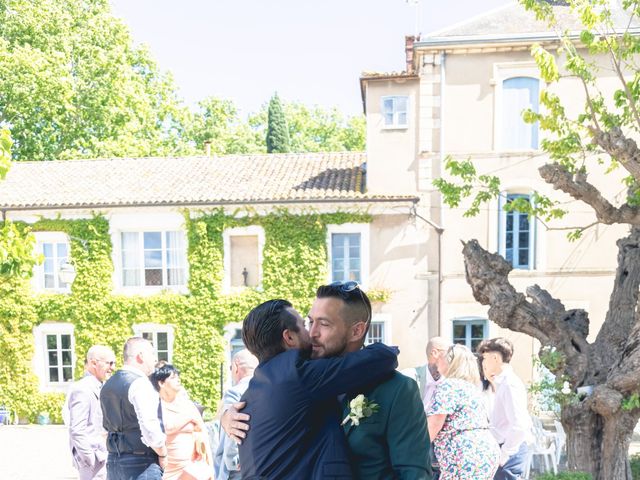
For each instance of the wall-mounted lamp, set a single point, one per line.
(66, 273)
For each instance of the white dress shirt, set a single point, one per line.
(145, 401)
(509, 421)
(430, 389)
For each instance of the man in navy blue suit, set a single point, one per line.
(292, 401)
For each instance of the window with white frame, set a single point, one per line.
(54, 249)
(54, 357)
(470, 331)
(348, 247)
(154, 259)
(379, 330)
(519, 94)
(161, 337)
(243, 247)
(517, 236)
(395, 111)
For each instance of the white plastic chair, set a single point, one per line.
(545, 446)
(561, 440)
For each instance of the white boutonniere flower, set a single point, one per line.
(360, 408)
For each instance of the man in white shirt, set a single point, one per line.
(509, 420)
(131, 416)
(226, 458)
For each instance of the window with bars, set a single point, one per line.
(346, 257)
(154, 259)
(59, 357)
(469, 332)
(376, 333)
(394, 111)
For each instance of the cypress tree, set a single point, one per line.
(277, 129)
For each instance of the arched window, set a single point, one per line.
(519, 94)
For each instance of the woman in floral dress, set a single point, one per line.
(458, 422)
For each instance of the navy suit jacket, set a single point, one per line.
(295, 430)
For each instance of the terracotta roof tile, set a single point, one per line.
(189, 180)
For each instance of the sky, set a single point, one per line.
(312, 51)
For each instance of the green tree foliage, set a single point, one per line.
(277, 139)
(72, 85)
(16, 252)
(317, 129)
(217, 122)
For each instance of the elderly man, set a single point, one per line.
(226, 461)
(86, 435)
(131, 416)
(427, 376)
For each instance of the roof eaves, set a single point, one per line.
(493, 39)
(215, 203)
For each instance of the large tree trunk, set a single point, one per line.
(598, 428)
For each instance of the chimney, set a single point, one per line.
(207, 148)
(409, 40)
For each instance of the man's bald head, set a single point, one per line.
(436, 347)
(243, 364)
(100, 362)
(438, 343)
(139, 353)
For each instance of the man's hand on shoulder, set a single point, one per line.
(234, 423)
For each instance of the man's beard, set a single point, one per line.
(334, 350)
(433, 370)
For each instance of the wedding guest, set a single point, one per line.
(509, 419)
(130, 406)
(292, 401)
(188, 452)
(87, 437)
(457, 421)
(487, 387)
(226, 458)
(427, 375)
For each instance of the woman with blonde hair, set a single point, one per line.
(188, 449)
(457, 420)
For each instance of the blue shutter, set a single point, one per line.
(519, 94)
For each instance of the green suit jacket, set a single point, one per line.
(393, 443)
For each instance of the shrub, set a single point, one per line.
(565, 476)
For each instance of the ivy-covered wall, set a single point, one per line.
(294, 264)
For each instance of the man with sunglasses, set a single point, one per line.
(393, 441)
(87, 437)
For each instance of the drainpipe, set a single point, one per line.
(440, 230)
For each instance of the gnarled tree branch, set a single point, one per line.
(619, 147)
(577, 186)
(543, 317)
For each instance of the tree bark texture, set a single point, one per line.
(598, 429)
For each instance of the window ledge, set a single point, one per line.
(395, 127)
(149, 291)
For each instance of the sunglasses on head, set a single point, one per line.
(349, 286)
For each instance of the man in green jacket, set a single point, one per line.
(385, 424)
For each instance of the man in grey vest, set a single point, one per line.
(130, 410)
